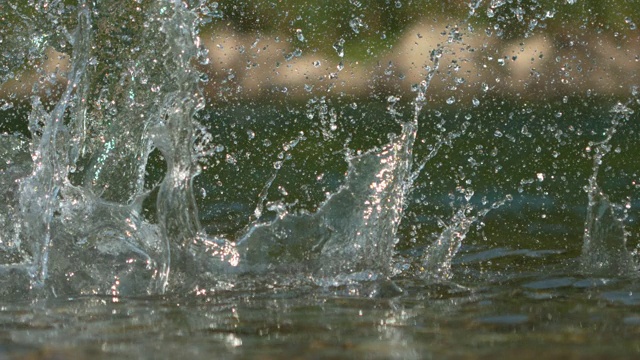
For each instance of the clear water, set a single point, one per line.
(161, 199)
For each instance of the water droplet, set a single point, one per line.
(621, 109)
(6, 106)
(540, 176)
(630, 22)
(299, 35)
(468, 194)
(398, 4)
(451, 100)
(475, 102)
(338, 46)
(356, 23)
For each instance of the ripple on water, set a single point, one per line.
(506, 319)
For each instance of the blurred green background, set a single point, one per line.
(377, 24)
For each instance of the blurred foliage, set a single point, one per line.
(368, 26)
(374, 25)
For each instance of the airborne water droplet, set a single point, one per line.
(6, 106)
(356, 23)
(630, 22)
(339, 47)
(468, 194)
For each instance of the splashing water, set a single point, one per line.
(79, 226)
(232, 177)
(604, 252)
(80, 208)
(78, 216)
(354, 230)
(435, 262)
(76, 219)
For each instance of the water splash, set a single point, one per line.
(437, 258)
(77, 203)
(604, 251)
(353, 231)
(80, 208)
(51, 156)
(83, 198)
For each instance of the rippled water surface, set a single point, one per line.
(526, 316)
